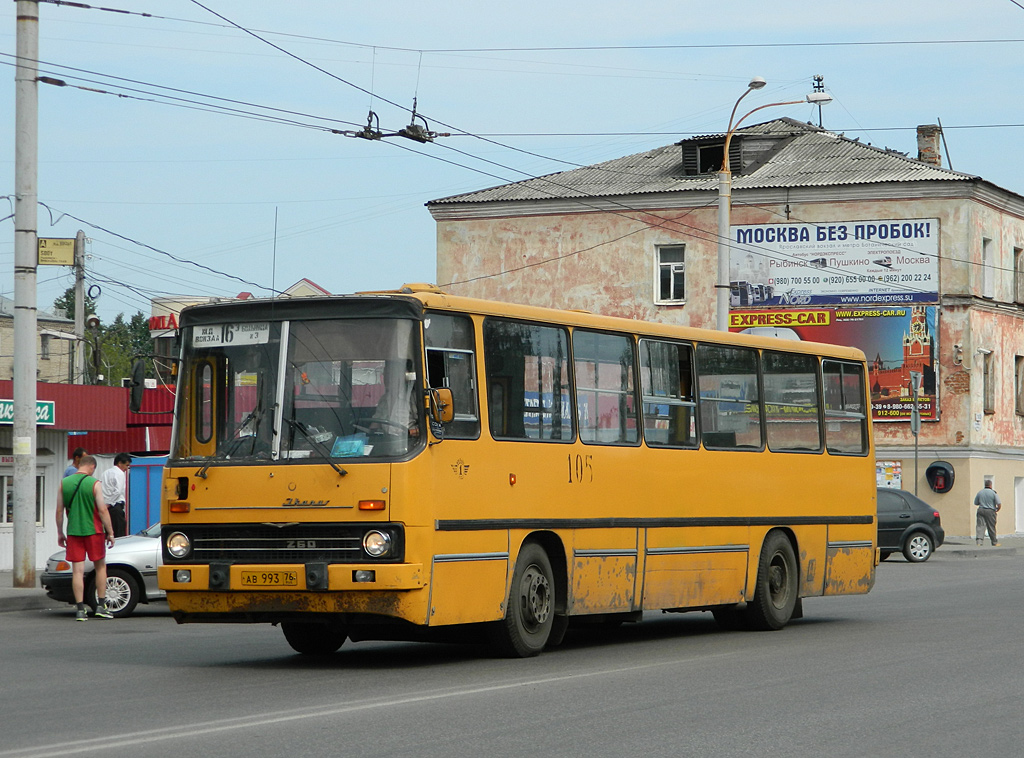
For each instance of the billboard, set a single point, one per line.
(890, 261)
(895, 339)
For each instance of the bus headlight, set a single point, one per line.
(377, 544)
(178, 545)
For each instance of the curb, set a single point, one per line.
(27, 600)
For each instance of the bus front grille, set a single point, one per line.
(290, 543)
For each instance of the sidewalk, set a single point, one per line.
(32, 599)
(24, 599)
(966, 547)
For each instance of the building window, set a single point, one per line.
(989, 382)
(1018, 385)
(1018, 275)
(7, 493)
(988, 283)
(44, 347)
(710, 158)
(671, 274)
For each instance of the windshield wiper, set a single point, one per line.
(254, 417)
(301, 428)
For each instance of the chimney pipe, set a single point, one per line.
(928, 149)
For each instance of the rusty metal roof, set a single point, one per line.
(808, 156)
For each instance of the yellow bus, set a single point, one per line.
(415, 465)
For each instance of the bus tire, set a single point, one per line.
(530, 611)
(313, 639)
(775, 593)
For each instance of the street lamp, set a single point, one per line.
(725, 195)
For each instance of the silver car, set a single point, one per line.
(131, 574)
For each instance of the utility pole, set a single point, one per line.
(26, 157)
(915, 417)
(80, 307)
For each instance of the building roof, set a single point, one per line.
(7, 309)
(804, 155)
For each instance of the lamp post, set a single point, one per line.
(725, 196)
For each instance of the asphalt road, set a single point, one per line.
(928, 664)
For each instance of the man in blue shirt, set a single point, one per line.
(988, 503)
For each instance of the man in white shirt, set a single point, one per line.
(115, 492)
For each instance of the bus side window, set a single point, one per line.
(605, 388)
(730, 405)
(791, 401)
(846, 426)
(666, 378)
(530, 363)
(451, 363)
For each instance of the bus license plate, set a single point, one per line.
(270, 579)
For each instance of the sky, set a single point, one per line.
(205, 163)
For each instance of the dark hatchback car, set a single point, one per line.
(907, 523)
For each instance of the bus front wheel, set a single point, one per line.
(775, 594)
(313, 639)
(530, 611)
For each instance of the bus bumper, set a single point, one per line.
(393, 591)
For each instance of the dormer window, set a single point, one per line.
(704, 156)
(709, 158)
(747, 151)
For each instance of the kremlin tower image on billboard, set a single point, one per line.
(891, 383)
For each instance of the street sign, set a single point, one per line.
(915, 421)
(45, 412)
(56, 252)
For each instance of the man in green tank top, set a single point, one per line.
(89, 533)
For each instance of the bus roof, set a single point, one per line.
(412, 300)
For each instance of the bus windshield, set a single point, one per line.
(324, 389)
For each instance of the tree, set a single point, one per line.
(111, 348)
(66, 303)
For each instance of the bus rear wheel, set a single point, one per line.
(313, 639)
(775, 594)
(530, 611)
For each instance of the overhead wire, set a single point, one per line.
(154, 249)
(527, 174)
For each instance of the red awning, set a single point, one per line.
(81, 407)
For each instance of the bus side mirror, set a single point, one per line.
(940, 476)
(138, 383)
(442, 410)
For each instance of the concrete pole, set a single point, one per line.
(26, 157)
(724, 248)
(80, 308)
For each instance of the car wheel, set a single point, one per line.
(775, 593)
(313, 639)
(122, 592)
(918, 547)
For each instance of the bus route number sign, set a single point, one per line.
(230, 335)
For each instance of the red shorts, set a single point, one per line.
(94, 546)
